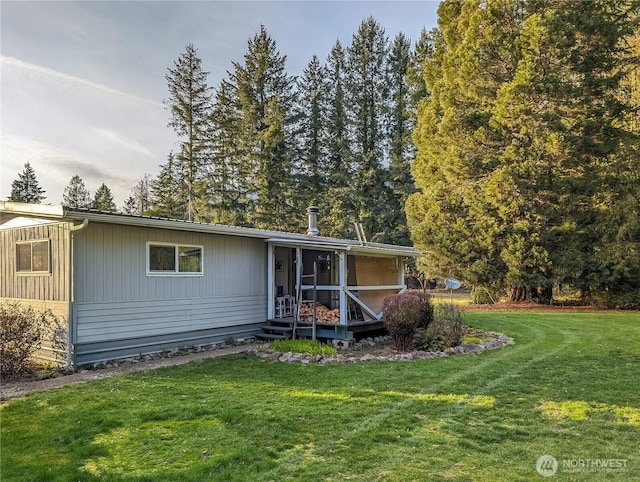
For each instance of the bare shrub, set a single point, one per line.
(402, 314)
(22, 332)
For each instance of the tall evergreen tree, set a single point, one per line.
(340, 202)
(103, 199)
(76, 194)
(189, 103)
(264, 97)
(401, 148)
(312, 165)
(368, 94)
(226, 189)
(26, 188)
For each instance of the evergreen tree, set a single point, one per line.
(139, 202)
(76, 194)
(264, 97)
(367, 91)
(166, 199)
(401, 148)
(226, 189)
(189, 103)
(26, 189)
(312, 166)
(340, 202)
(103, 199)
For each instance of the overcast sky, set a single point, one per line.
(82, 83)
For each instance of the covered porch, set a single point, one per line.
(318, 289)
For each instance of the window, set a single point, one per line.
(173, 259)
(33, 256)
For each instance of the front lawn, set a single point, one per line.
(568, 387)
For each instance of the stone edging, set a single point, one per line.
(499, 340)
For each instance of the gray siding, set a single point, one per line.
(120, 311)
(44, 287)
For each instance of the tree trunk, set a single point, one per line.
(518, 294)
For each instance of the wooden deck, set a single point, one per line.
(282, 328)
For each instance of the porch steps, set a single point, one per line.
(276, 330)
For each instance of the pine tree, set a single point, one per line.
(166, 199)
(264, 97)
(103, 199)
(189, 103)
(340, 202)
(367, 89)
(401, 148)
(312, 166)
(226, 187)
(76, 194)
(26, 188)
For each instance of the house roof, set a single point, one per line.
(277, 237)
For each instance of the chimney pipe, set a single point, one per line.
(313, 230)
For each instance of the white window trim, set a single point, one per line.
(177, 264)
(34, 273)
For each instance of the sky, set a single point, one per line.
(82, 84)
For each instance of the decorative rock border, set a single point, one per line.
(499, 340)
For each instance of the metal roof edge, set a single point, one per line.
(179, 225)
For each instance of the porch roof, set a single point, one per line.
(278, 237)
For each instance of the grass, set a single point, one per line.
(568, 387)
(306, 347)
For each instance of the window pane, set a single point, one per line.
(162, 258)
(190, 259)
(40, 253)
(23, 257)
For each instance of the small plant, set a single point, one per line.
(470, 339)
(306, 347)
(428, 340)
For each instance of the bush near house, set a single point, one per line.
(22, 333)
(446, 330)
(404, 314)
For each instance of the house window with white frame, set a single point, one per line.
(33, 257)
(174, 259)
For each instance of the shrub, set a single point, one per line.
(402, 316)
(429, 340)
(446, 330)
(22, 331)
(307, 347)
(426, 309)
(450, 319)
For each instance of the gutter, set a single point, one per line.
(70, 322)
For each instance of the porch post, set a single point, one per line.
(401, 280)
(270, 281)
(342, 281)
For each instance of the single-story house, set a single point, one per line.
(129, 285)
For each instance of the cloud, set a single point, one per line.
(122, 140)
(28, 68)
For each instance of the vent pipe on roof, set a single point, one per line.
(313, 230)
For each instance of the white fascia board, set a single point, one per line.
(31, 209)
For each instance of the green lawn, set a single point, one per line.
(569, 387)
